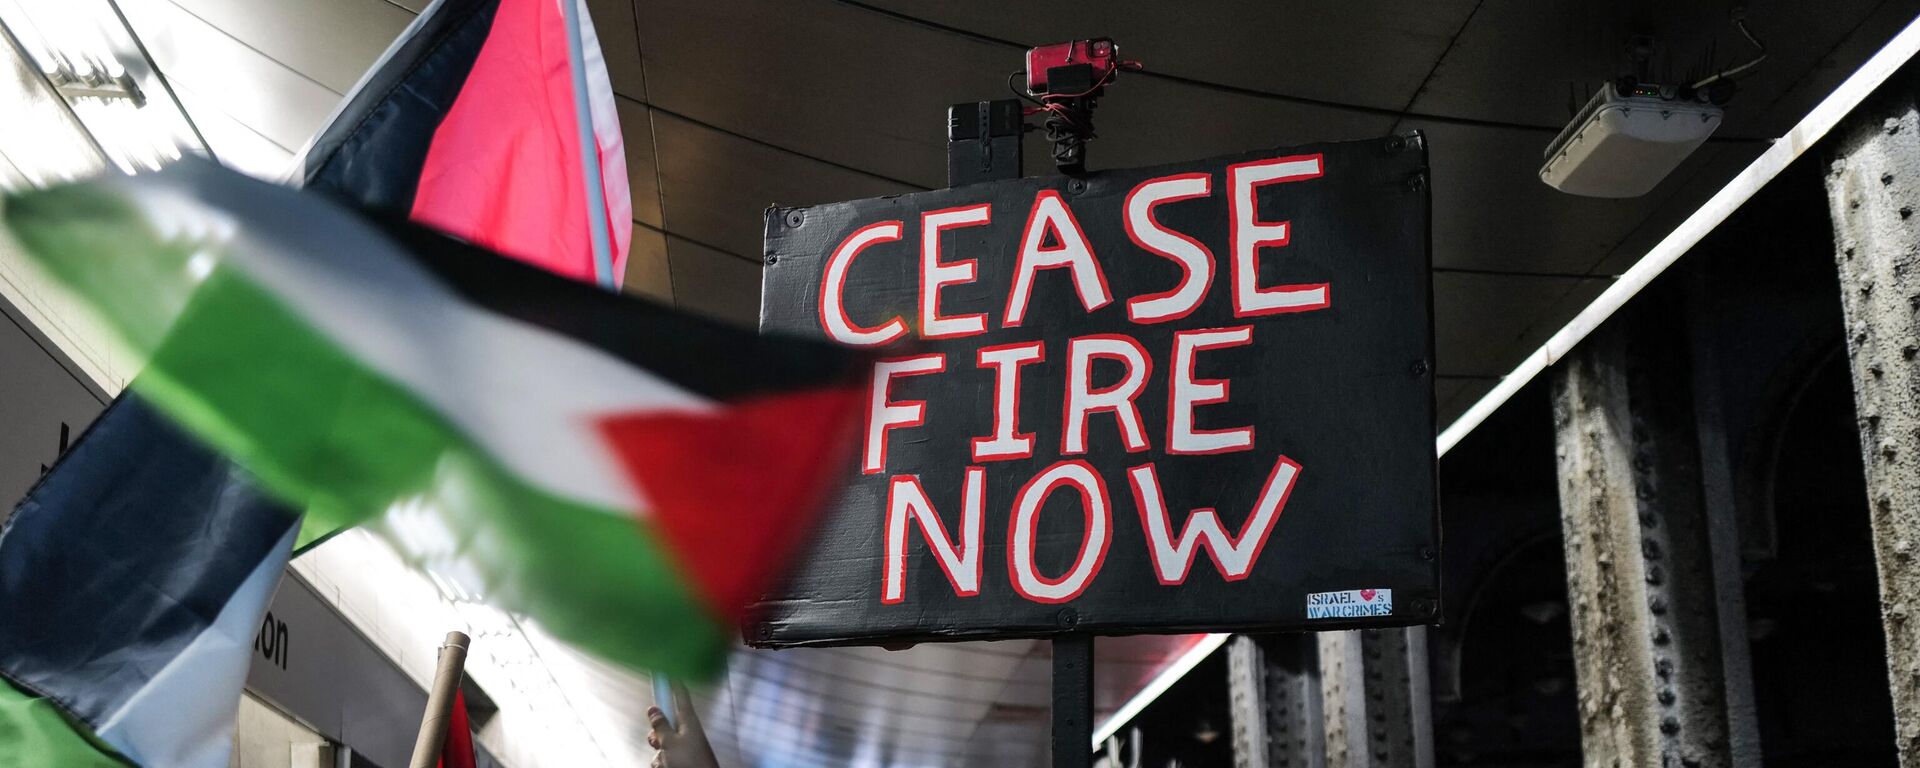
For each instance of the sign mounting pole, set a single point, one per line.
(983, 144)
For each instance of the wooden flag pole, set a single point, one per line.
(446, 682)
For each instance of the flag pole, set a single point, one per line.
(446, 682)
(599, 230)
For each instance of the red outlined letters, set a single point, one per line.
(935, 275)
(1184, 393)
(1082, 399)
(883, 414)
(1233, 556)
(1094, 538)
(1248, 235)
(1051, 214)
(1007, 441)
(907, 499)
(833, 312)
(1194, 260)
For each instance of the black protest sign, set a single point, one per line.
(1192, 397)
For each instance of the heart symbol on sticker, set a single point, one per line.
(1367, 594)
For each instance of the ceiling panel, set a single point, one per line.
(613, 25)
(1328, 51)
(270, 99)
(717, 185)
(1452, 396)
(647, 272)
(643, 175)
(1535, 62)
(1149, 122)
(1481, 320)
(714, 283)
(331, 41)
(1813, 81)
(839, 82)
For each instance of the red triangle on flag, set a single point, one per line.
(735, 492)
(457, 751)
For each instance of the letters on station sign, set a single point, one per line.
(1161, 399)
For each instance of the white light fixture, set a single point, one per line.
(1626, 139)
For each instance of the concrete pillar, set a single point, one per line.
(1375, 699)
(1873, 190)
(1273, 688)
(1640, 577)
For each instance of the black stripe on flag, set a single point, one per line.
(372, 153)
(705, 356)
(121, 556)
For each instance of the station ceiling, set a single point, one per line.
(731, 105)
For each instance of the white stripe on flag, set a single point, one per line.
(612, 150)
(526, 395)
(184, 715)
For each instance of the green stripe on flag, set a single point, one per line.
(323, 431)
(320, 430)
(34, 734)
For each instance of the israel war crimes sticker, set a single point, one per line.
(1350, 604)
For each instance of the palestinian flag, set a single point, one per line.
(474, 122)
(129, 614)
(133, 573)
(627, 475)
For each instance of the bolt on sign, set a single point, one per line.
(1191, 397)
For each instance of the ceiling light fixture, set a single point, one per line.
(1633, 133)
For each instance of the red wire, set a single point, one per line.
(1104, 79)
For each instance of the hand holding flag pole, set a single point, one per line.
(683, 744)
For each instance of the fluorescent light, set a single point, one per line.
(1158, 685)
(91, 60)
(1782, 153)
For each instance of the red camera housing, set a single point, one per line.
(1099, 56)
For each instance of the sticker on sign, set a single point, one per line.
(1350, 604)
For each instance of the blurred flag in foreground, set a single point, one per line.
(626, 475)
(133, 574)
(133, 612)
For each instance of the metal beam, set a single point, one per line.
(1873, 190)
(1273, 689)
(1640, 577)
(1375, 698)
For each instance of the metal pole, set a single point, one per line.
(1073, 701)
(446, 681)
(983, 144)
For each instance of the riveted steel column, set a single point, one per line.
(1375, 699)
(1273, 688)
(1873, 189)
(1640, 577)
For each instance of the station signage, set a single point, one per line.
(1183, 398)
